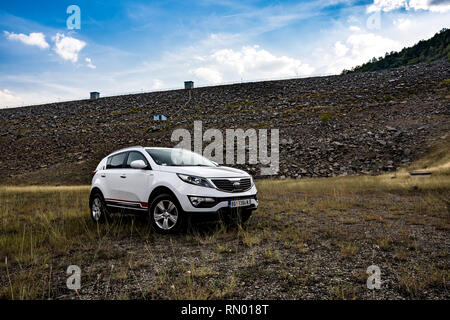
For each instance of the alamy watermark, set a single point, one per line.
(374, 279)
(74, 280)
(74, 20)
(373, 22)
(257, 148)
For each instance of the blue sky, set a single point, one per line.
(134, 46)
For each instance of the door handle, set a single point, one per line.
(123, 176)
(103, 175)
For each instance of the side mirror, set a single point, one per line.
(138, 164)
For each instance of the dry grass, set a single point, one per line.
(339, 186)
(437, 159)
(414, 281)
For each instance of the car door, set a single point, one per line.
(113, 176)
(137, 182)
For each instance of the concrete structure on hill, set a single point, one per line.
(189, 84)
(95, 95)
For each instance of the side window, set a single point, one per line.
(116, 161)
(135, 155)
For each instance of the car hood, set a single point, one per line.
(207, 172)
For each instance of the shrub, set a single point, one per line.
(132, 110)
(388, 98)
(325, 117)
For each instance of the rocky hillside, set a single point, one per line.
(361, 123)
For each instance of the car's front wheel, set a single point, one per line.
(166, 215)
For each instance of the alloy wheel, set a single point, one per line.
(97, 209)
(165, 214)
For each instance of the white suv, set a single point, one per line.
(172, 186)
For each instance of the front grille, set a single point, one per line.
(232, 185)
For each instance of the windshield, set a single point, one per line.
(178, 157)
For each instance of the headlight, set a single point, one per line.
(198, 181)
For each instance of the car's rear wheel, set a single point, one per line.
(166, 215)
(99, 212)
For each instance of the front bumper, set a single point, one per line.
(221, 213)
(221, 198)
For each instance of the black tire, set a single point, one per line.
(162, 219)
(97, 202)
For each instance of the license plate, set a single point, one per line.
(239, 203)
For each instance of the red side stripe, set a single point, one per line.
(143, 204)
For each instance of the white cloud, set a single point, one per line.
(367, 45)
(429, 5)
(33, 39)
(340, 49)
(67, 47)
(249, 63)
(399, 29)
(44, 88)
(356, 49)
(403, 24)
(157, 84)
(210, 75)
(8, 98)
(89, 63)
(387, 5)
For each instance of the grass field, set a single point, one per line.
(310, 239)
